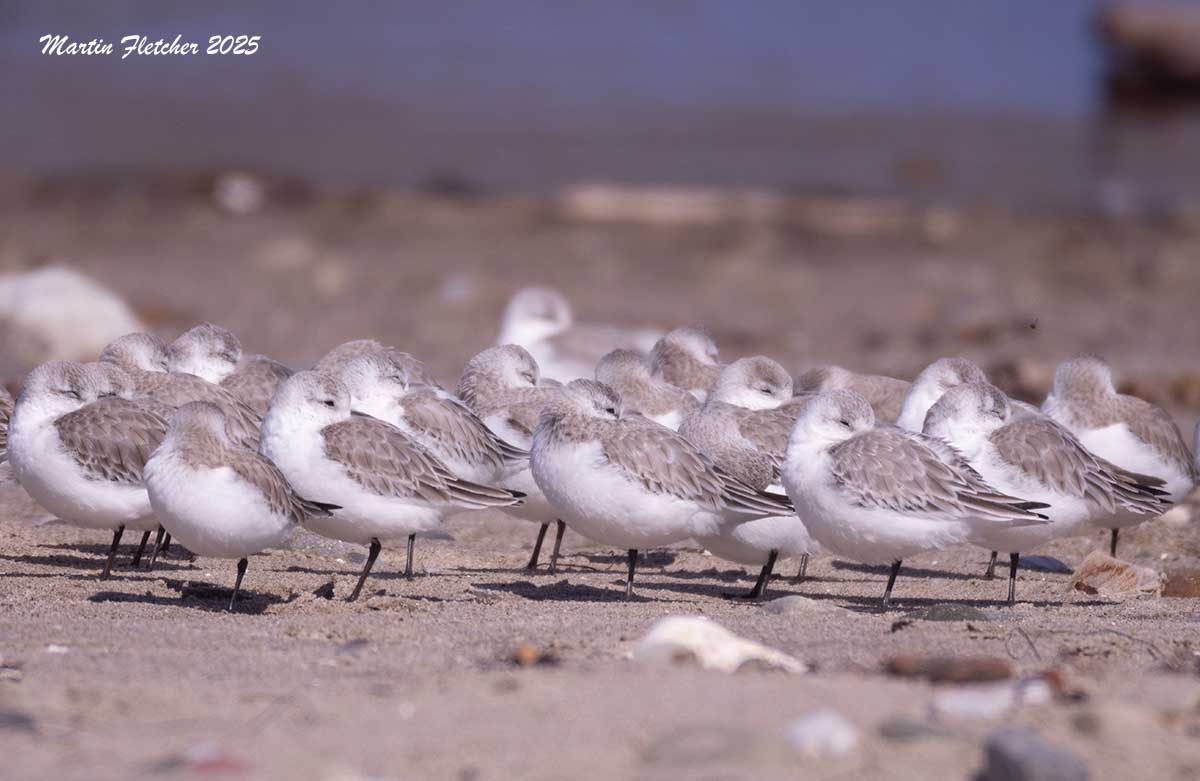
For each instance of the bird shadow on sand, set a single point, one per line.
(66, 561)
(564, 591)
(197, 596)
(906, 571)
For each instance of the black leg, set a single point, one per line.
(760, 585)
(1013, 560)
(991, 569)
(632, 568)
(1112, 548)
(412, 538)
(558, 534)
(158, 547)
(803, 573)
(237, 584)
(112, 552)
(166, 543)
(372, 554)
(887, 592)
(537, 547)
(141, 548)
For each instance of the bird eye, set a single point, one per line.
(611, 410)
(765, 390)
(329, 403)
(844, 422)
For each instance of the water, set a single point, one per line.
(939, 99)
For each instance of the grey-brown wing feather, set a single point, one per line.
(768, 430)
(111, 439)
(175, 390)
(1048, 453)
(884, 394)
(255, 382)
(384, 460)
(267, 479)
(888, 469)
(453, 431)
(6, 408)
(1155, 427)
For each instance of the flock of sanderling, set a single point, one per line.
(226, 453)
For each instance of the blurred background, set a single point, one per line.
(868, 183)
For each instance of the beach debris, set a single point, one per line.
(529, 655)
(57, 312)
(950, 669)
(1020, 754)
(696, 639)
(1182, 583)
(822, 733)
(1102, 575)
(989, 701)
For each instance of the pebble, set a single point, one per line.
(682, 639)
(16, 721)
(1020, 754)
(822, 733)
(988, 701)
(905, 728)
(1102, 575)
(950, 612)
(1044, 564)
(796, 605)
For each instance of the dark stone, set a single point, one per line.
(950, 612)
(905, 728)
(1045, 564)
(17, 721)
(1020, 754)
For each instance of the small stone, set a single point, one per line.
(683, 639)
(16, 721)
(1020, 754)
(352, 647)
(950, 669)
(1102, 575)
(905, 728)
(973, 702)
(324, 591)
(54, 648)
(950, 612)
(822, 733)
(239, 193)
(528, 655)
(1044, 564)
(796, 605)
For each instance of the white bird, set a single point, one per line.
(540, 320)
(504, 388)
(628, 373)
(1031, 456)
(79, 450)
(1131, 433)
(215, 354)
(934, 380)
(216, 497)
(686, 358)
(626, 481)
(881, 494)
(750, 445)
(380, 386)
(385, 484)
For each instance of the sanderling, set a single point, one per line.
(380, 386)
(334, 361)
(1039, 460)
(386, 485)
(629, 482)
(502, 385)
(216, 497)
(140, 355)
(628, 373)
(756, 382)
(934, 380)
(255, 381)
(79, 451)
(687, 358)
(6, 408)
(1131, 433)
(207, 351)
(750, 445)
(540, 320)
(880, 494)
(884, 394)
